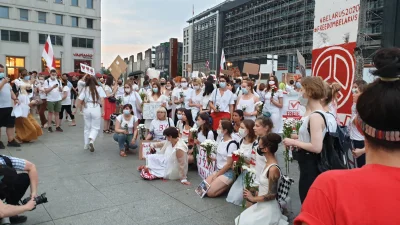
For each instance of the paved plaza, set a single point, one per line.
(102, 188)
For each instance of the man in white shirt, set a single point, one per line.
(53, 89)
(6, 106)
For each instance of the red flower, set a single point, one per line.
(235, 157)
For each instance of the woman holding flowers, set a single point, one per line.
(246, 130)
(133, 98)
(221, 180)
(125, 128)
(246, 102)
(197, 96)
(273, 102)
(221, 102)
(171, 162)
(266, 209)
(169, 87)
(155, 96)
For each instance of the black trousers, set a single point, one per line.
(13, 196)
(67, 108)
(361, 159)
(308, 172)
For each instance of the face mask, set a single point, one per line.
(184, 85)
(147, 88)
(271, 82)
(196, 87)
(127, 90)
(127, 112)
(222, 84)
(199, 123)
(27, 77)
(163, 83)
(354, 90)
(168, 87)
(179, 117)
(219, 132)
(261, 153)
(155, 90)
(245, 91)
(53, 77)
(177, 85)
(242, 132)
(1, 75)
(303, 101)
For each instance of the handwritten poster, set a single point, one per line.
(204, 169)
(150, 110)
(144, 149)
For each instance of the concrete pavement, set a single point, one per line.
(99, 188)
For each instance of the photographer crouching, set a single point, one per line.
(13, 186)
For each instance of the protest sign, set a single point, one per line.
(87, 69)
(195, 74)
(203, 167)
(144, 149)
(227, 72)
(152, 73)
(115, 71)
(266, 68)
(302, 63)
(291, 106)
(150, 110)
(251, 68)
(202, 189)
(120, 63)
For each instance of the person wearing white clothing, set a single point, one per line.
(66, 103)
(273, 103)
(93, 97)
(43, 97)
(53, 89)
(133, 98)
(126, 128)
(196, 100)
(247, 101)
(221, 102)
(182, 98)
(155, 96)
(157, 126)
(168, 92)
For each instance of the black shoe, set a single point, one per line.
(58, 129)
(13, 143)
(50, 130)
(2, 145)
(91, 147)
(74, 107)
(18, 219)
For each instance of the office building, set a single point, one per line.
(187, 49)
(163, 58)
(74, 27)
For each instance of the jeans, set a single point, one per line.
(124, 139)
(361, 159)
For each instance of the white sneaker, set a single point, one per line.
(69, 120)
(86, 147)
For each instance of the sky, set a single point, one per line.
(133, 26)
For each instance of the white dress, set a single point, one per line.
(248, 105)
(274, 110)
(196, 99)
(265, 213)
(165, 164)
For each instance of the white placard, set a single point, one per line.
(266, 68)
(150, 110)
(195, 74)
(87, 69)
(153, 74)
(203, 167)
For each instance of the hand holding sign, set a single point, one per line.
(87, 69)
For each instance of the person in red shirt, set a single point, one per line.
(368, 195)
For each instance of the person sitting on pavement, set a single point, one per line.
(126, 130)
(14, 194)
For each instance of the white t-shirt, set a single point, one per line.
(42, 93)
(206, 99)
(223, 153)
(130, 123)
(268, 106)
(304, 136)
(5, 96)
(222, 101)
(81, 86)
(107, 89)
(67, 100)
(87, 97)
(157, 127)
(120, 91)
(197, 99)
(247, 148)
(131, 99)
(187, 96)
(55, 94)
(354, 133)
(201, 137)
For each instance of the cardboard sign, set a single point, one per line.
(302, 63)
(115, 71)
(266, 68)
(195, 74)
(203, 167)
(87, 69)
(120, 63)
(236, 72)
(189, 68)
(150, 110)
(227, 72)
(251, 68)
(144, 149)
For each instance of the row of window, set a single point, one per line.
(42, 17)
(19, 36)
(89, 3)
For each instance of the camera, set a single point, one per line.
(39, 199)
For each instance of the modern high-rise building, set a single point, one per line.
(163, 58)
(74, 27)
(187, 49)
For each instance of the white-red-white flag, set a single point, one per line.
(48, 54)
(222, 65)
(208, 64)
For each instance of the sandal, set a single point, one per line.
(140, 168)
(122, 154)
(106, 131)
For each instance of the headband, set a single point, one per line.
(389, 79)
(378, 134)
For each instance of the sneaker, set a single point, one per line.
(58, 129)
(2, 145)
(86, 147)
(50, 130)
(54, 123)
(69, 120)
(91, 147)
(45, 126)
(18, 219)
(13, 143)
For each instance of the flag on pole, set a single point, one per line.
(208, 64)
(48, 54)
(222, 65)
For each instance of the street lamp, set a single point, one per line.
(229, 64)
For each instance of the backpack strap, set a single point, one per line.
(7, 161)
(233, 141)
(280, 172)
(241, 141)
(326, 125)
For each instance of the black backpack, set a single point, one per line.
(332, 155)
(232, 142)
(8, 176)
